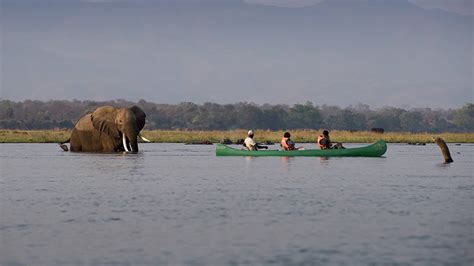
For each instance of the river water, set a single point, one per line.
(174, 204)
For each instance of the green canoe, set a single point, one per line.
(374, 150)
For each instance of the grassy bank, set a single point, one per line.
(184, 136)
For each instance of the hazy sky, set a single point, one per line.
(459, 6)
(416, 53)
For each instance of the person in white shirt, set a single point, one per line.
(250, 143)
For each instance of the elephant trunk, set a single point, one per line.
(132, 140)
(134, 144)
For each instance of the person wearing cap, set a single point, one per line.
(287, 144)
(250, 143)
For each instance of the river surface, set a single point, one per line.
(175, 204)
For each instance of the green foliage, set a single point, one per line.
(200, 136)
(464, 117)
(304, 116)
(36, 115)
(412, 121)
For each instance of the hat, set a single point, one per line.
(250, 132)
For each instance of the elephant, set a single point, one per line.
(108, 129)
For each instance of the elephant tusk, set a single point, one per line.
(143, 138)
(124, 141)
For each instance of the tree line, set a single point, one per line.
(63, 114)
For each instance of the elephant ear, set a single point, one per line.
(139, 115)
(103, 119)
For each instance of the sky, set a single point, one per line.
(416, 53)
(464, 7)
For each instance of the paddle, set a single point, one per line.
(258, 146)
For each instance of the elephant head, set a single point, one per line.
(122, 124)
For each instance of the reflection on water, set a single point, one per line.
(285, 161)
(443, 165)
(173, 204)
(324, 160)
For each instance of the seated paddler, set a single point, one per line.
(324, 142)
(287, 144)
(250, 143)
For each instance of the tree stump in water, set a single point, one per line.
(444, 149)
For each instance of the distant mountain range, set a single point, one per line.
(377, 52)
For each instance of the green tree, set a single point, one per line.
(411, 121)
(464, 117)
(304, 116)
(387, 118)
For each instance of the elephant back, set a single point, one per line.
(85, 123)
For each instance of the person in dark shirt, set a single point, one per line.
(324, 142)
(287, 144)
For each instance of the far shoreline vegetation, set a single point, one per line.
(52, 121)
(215, 136)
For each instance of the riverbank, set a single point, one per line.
(187, 136)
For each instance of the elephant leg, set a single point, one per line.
(75, 141)
(109, 144)
(91, 141)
